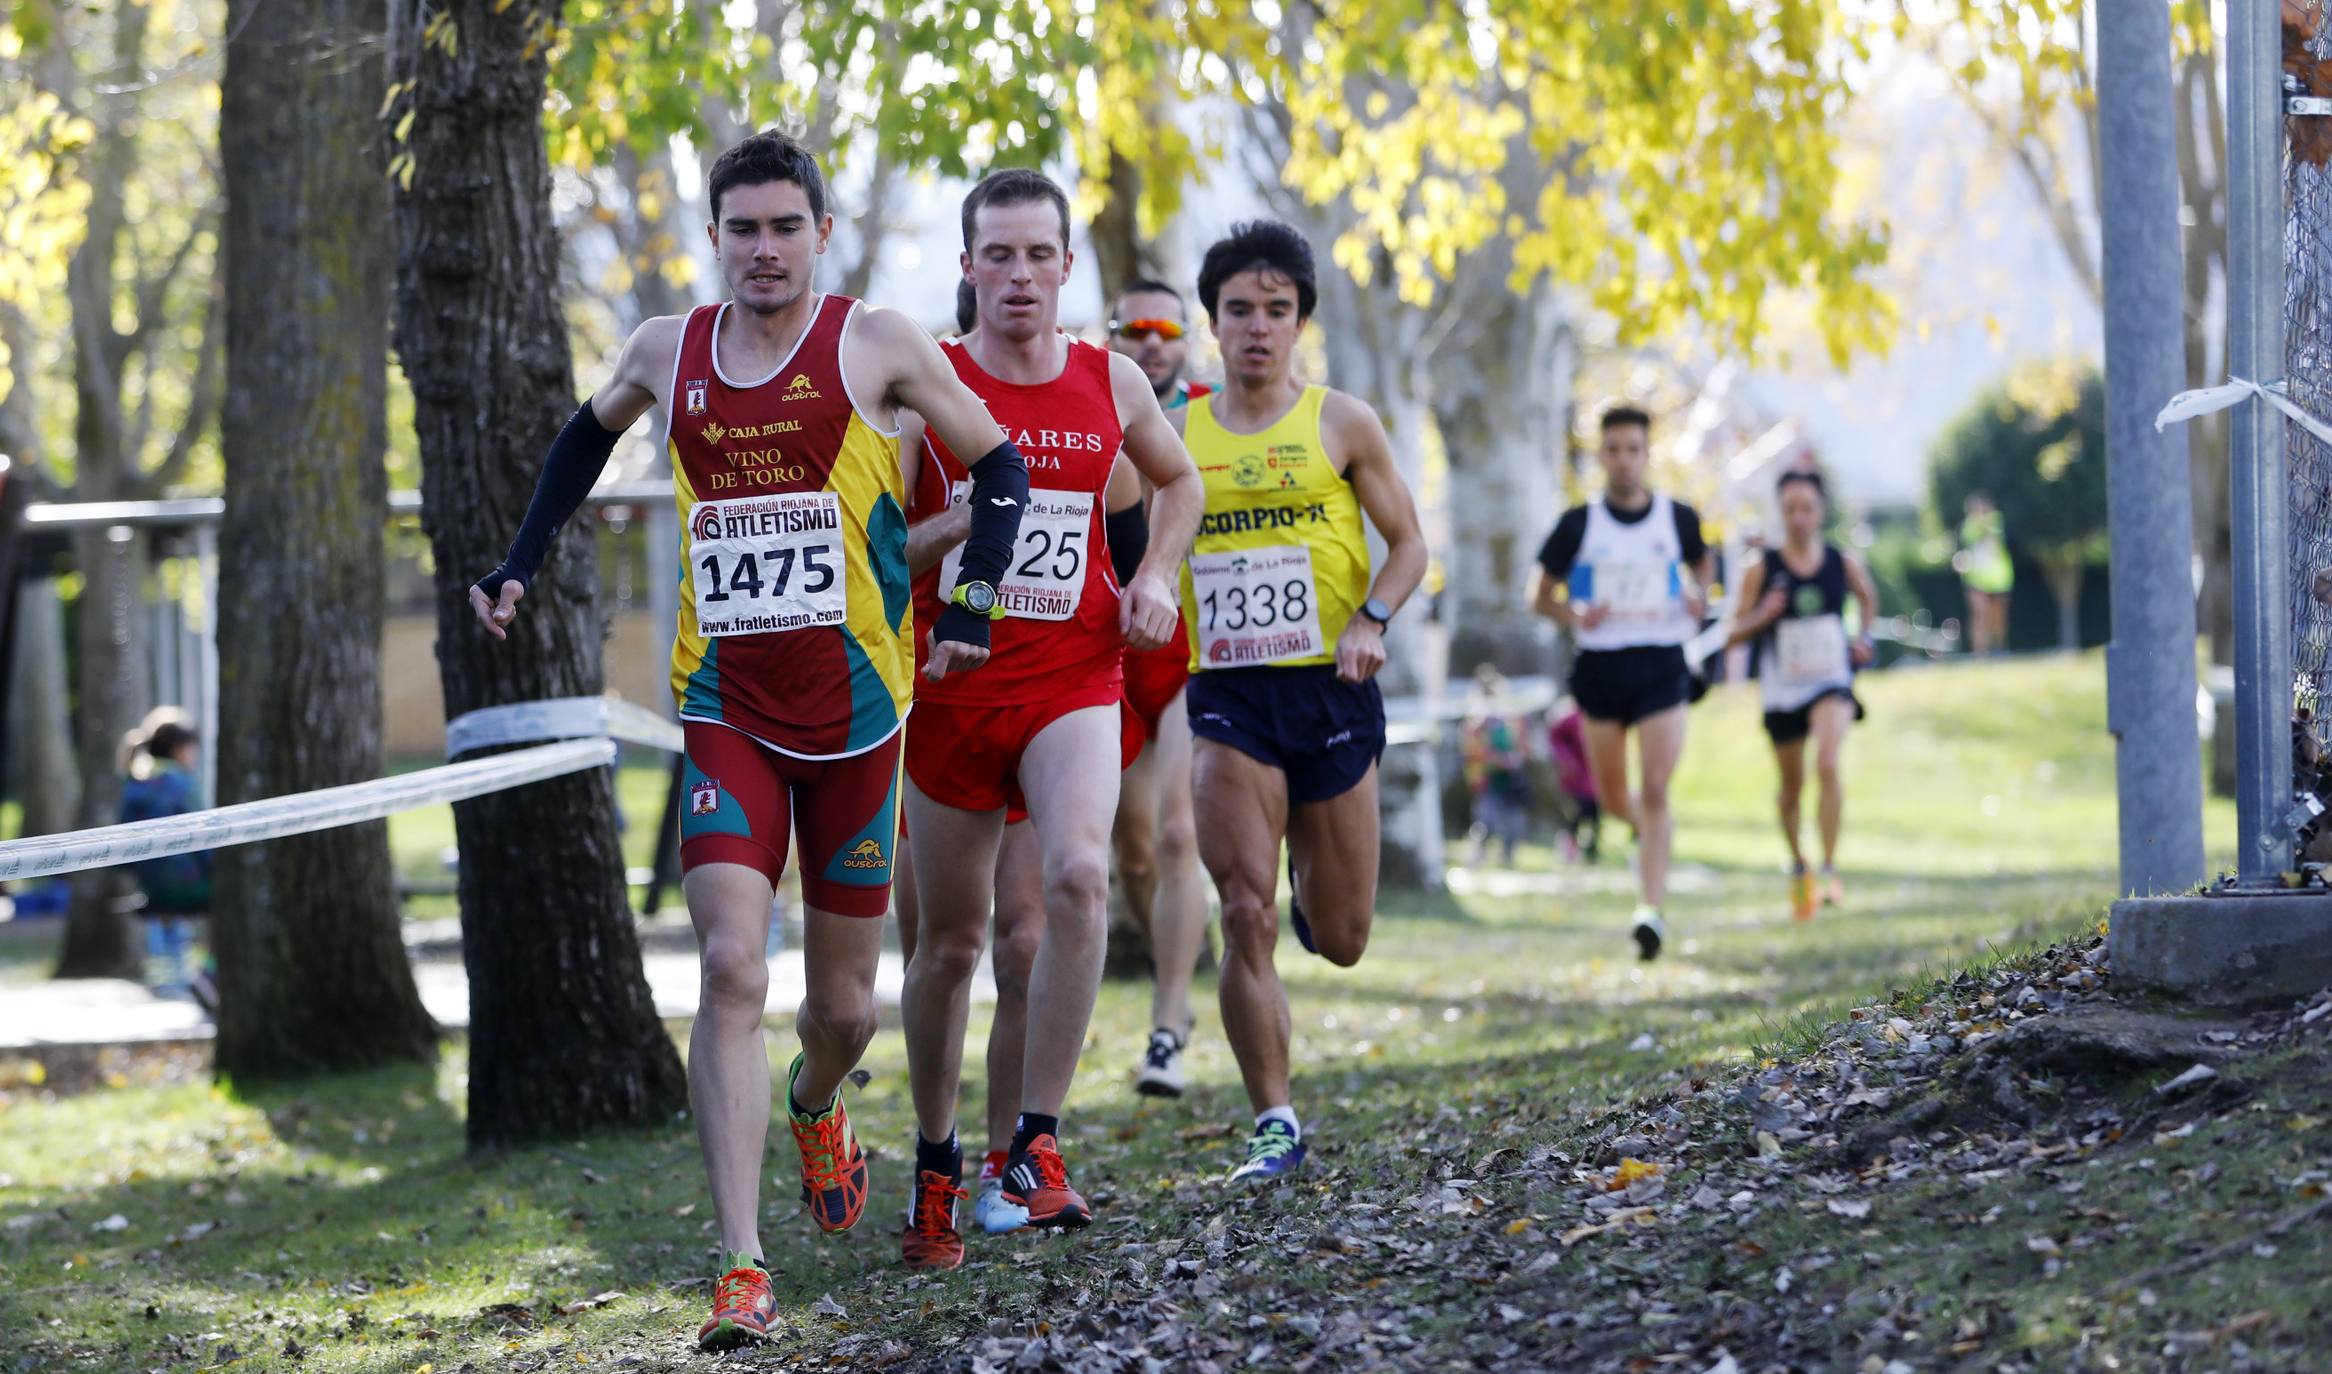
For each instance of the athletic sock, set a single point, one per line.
(1284, 1115)
(945, 1159)
(1032, 1125)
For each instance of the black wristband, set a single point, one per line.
(956, 625)
(491, 584)
(999, 496)
(1129, 539)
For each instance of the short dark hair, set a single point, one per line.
(1267, 244)
(764, 157)
(1806, 475)
(1014, 186)
(967, 306)
(1152, 284)
(168, 738)
(1627, 415)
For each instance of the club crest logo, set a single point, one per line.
(704, 798)
(1247, 470)
(695, 396)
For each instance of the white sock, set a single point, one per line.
(1284, 1114)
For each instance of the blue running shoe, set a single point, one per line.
(1275, 1150)
(1295, 909)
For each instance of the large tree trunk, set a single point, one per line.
(1120, 253)
(564, 1036)
(312, 969)
(1502, 402)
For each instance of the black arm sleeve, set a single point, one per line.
(999, 496)
(1129, 539)
(1690, 545)
(577, 457)
(1562, 547)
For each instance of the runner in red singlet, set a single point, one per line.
(792, 668)
(1156, 836)
(1043, 731)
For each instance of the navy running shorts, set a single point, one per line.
(1321, 731)
(1627, 685)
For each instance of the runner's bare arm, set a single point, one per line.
(902, 364)
(1753, 619)
(1152, 606)
(932, 533)
(1354, 431)
(1866, 596)
(1544, 601)
(577, 456)
(1125, 487)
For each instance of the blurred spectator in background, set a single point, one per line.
(1985, 572)
(160, 757)
(1496, 768)
(1582, 815)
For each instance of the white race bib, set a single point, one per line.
(767, 564)
(1047, 578)
(1641, 589)
(1810, 649)
(1256, 606)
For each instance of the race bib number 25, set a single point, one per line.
(1256, 606)
(767, 564)
(1046, 580)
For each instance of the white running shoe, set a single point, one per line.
(1650, 931)
(990, 1212)
(1162, 1074)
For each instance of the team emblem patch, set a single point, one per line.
(704, 798)
(1247, 470)
(696, 391)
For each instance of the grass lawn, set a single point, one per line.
(342, 1227)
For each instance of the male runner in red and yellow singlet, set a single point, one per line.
(1156, 836)
(1040, 727)
(792, 665)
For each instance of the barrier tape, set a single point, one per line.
(2204, 400)
(560, 718)
(297, 814)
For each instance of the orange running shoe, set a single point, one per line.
(1801, 895)
(1038, 1180)
(833, 1166)
(743, 1306)
(931, 1240)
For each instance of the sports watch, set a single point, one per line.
(1377, 611)
(979, 598)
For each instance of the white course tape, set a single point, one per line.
(297, 814)
(2203, 401)
(560, 718)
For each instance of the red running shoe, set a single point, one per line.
(1038, 1180)
(833, 1166)
(743, 1304)
(931, 1240)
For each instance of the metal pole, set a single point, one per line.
(2263, 651)
(2150, 664)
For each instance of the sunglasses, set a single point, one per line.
(1143, 329)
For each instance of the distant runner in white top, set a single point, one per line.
(1625, 575)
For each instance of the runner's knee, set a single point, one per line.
(735, 976)
(1015, 958)
(1177, 840)
(1341, 947)
(1137, 858)
(1078, 883)
(949, 955)
(1250, 925)
(839, 1012)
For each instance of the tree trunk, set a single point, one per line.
(1502, 403)
(312, 969)
(564, 1036)
(39, 724)
(1120, 254)
(102, 941)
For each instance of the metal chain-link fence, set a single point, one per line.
(2307, 324)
